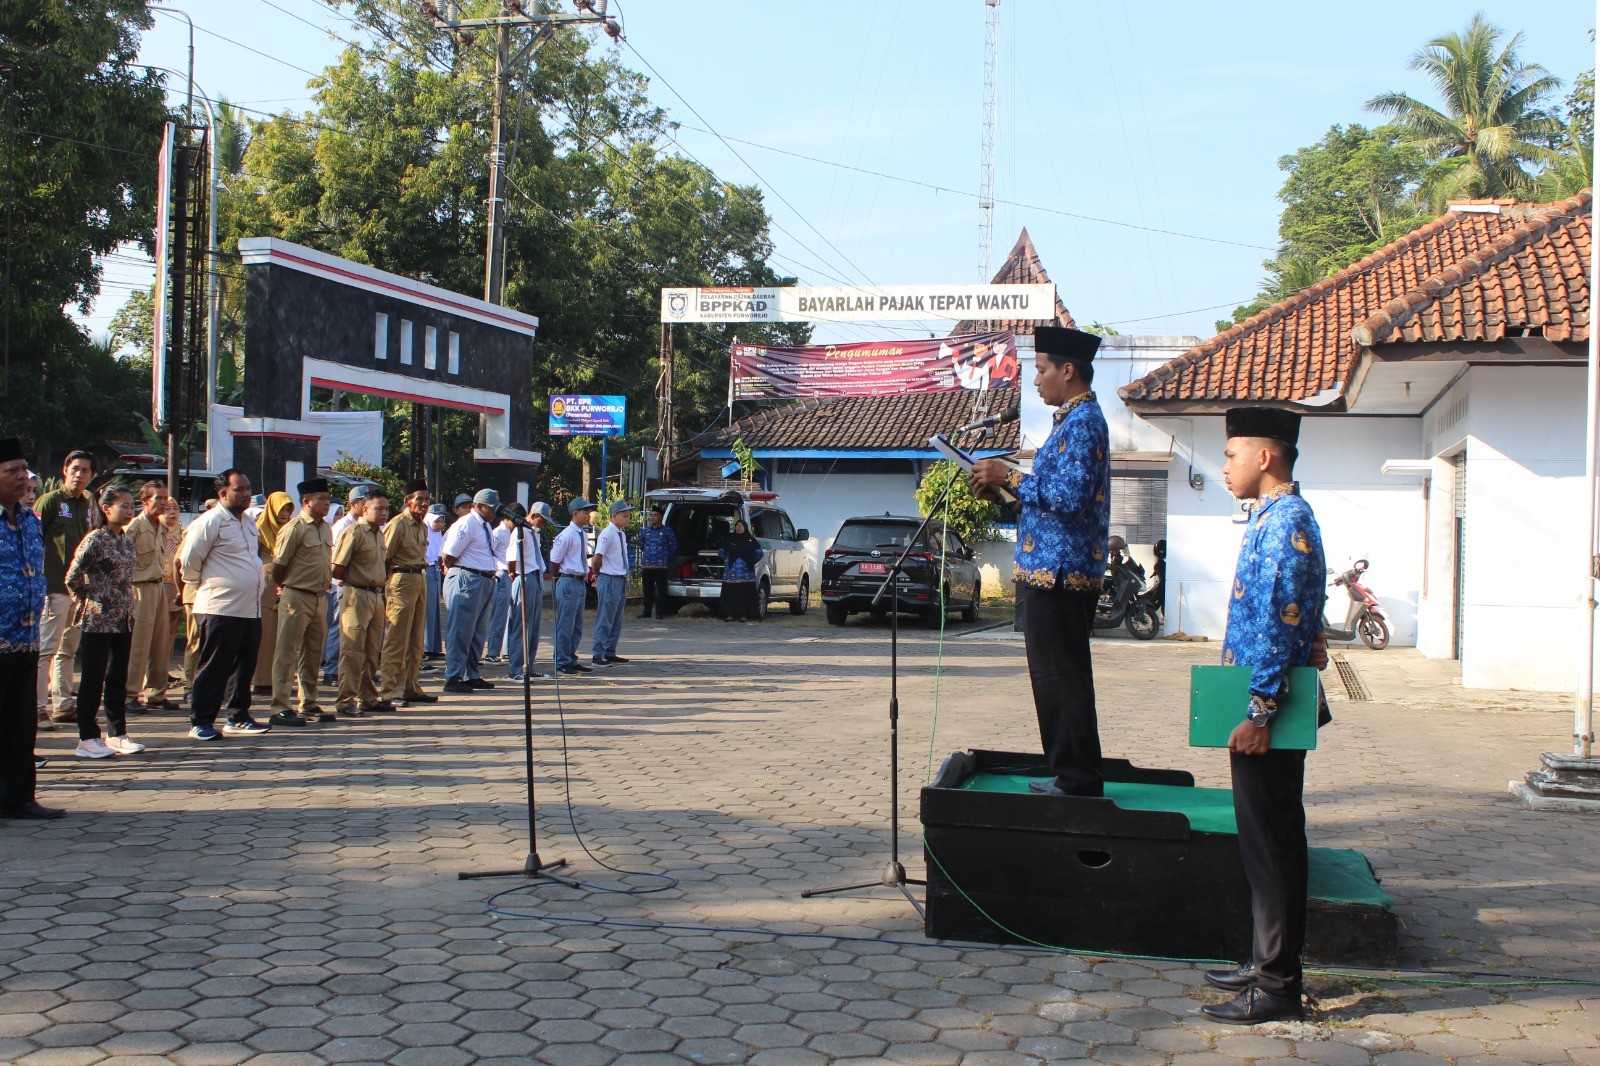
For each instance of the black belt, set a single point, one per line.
(308, 592)
(364, 588)
(151, 581)
(407, 569)
(480, 573)
(575, 577)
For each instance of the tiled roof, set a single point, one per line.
(1484, 270)
(869, 423)
(1022, 267)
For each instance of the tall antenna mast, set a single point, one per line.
(991, 125)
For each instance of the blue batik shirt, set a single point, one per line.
(1066, 502)
(22, 580)
(657, 547)
(1279, 589)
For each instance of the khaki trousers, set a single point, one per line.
(58, 646)
(269, 629)
(407, 612)
(191, 646)
(150, 657)
(360, 637)
(302, 627)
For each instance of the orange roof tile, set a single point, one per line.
(1484, 268)
(1022, 267)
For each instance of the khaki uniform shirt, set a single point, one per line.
(149, 540)
(305, 547)
(360, 552)
(405, 542)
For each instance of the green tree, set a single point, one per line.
(1493, 130)
(1572, 169)
(390, 170)
(971, 518)
(81, 126)
(133, 326)
(1345, 196)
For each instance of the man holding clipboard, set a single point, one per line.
(1274, 624)
(1061, 555)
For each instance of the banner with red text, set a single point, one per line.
(875, 368)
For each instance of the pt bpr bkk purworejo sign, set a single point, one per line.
(861, 303)
(588, 416)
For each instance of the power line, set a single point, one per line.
(962, 192)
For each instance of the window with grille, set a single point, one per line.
(1139, 507)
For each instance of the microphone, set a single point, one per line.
(505, 513)
(1010, 414)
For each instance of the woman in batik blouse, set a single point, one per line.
(100, 582)
(740, 552)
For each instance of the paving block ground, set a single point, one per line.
(293, 899)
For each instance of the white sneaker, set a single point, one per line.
(124, 745)
(93, 748)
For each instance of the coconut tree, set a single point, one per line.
(1493, 131)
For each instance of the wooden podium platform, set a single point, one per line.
(1151, 869)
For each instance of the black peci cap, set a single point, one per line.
(415, 486)
(316, 484)
(1272, 423)
(1064, 343)
(11, 448)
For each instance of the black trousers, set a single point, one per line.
(1056, 624)
(19, 727)
(104, 679)
(1268, 807)
(227, 656)
(655, 591)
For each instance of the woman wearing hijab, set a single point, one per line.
(740, 552)
(279, 509)
(100, 582)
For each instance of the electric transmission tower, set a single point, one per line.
(991, 131)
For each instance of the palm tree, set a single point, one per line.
(1493, 125)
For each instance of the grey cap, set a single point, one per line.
(621, 507)
(578, 503)
(359, 492)
(541, 509)
(439, 509)
(487, 497)
(463, 498)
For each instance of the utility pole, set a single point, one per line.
(664, 430)
(991, 136)
(447, 16)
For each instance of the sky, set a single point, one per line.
(1137, 141)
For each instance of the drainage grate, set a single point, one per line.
(1354, 689)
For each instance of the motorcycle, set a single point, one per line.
(1364, 618)
(1124, 580)
(1145, 613)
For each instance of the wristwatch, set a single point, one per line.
(1262, 711)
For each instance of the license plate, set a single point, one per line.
(872, 568)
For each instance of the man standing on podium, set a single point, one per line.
(1274, 623)
(1061, 555)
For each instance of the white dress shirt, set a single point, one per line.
(612, 548)
(220, 560)
(338, 530)
(502, 542)
(570, 551)
(526, 543)
(469, 542)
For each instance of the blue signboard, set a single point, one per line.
(588, 416)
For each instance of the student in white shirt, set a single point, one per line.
(610, 569)
(569, 560)
(467, 556)
(525, 561)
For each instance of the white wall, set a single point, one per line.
(821, 502)
(1362, 512)
(1524, 543)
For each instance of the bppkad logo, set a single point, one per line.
(677, 304)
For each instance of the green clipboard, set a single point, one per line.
(1220, 695)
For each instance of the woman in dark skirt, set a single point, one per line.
(740, 552)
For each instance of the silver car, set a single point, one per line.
(702, 517)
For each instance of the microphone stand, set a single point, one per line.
(533, 867)
(894, 872)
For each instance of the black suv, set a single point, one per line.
(856, 565)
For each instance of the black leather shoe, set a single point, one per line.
(1254, 1006)
(420, 697)
(459, 688)
(287, 719)
(34, 812)
(1237, 979)
(383, 707)
(478, 682)
(160, 705)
